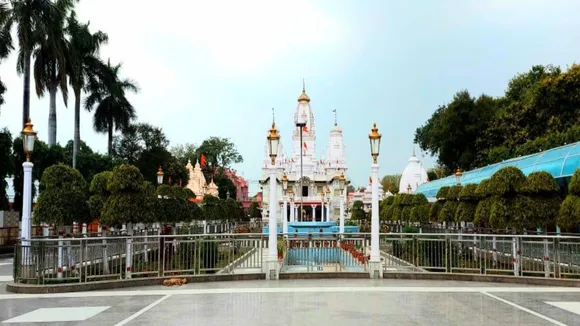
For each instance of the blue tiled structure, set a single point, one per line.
(561, 162)
(305, 228)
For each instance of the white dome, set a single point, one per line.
(414, 175)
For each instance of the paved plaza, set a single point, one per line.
(301, 302)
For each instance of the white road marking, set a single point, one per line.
(5, 264)
(6, 278)
(142, 311)
(569, 306)
(392, 289)
(546, 318)
(62, 314)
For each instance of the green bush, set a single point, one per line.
(569, 215)
(467, 204)
(442, 192)
(544, 200)
(63, 197)
(574, 186)
(508, 181)
(483, 212)
(447, 213)
(435, 209)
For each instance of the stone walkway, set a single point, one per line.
(302, 302)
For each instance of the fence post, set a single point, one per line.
(557, 257)
(448, 254)
(482, 256)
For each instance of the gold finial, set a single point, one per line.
(159, 171)
(335, 118)
(374, 132)
(303, 96)
(273, 116)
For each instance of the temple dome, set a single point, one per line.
(414, 175)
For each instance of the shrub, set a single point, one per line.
(63, 197)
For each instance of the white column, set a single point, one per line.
(285, 215)
(272, 264)
(341, 217)
(26, 212)
(322, 217)
(313, 212)
(375, 266)
(328, 211)
(292, 211)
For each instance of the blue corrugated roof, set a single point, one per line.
(561, 162)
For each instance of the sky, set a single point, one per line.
(216, 68)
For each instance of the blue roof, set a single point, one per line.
(561, 162)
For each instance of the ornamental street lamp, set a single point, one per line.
(375, 267)
(341, 184)
(160, 176)
(272, 263)
(285, 204)
(458, 175)
(28, 139)
(327, 203)
(291, 195)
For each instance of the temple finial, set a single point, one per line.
(335, 118)
(303, 85)
(413, 150)
(273, 117)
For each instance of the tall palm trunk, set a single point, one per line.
(110, 137)
(77, 133)
(52, 116)
(26, 95)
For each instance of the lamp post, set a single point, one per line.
(458, 175)
(292, 208)
(327, 204)
(375, 267)
(300, 125)
(28, 139)
(285, 204)
(272, 263)
(341, 183)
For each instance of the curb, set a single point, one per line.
(484, 278)
(117, 284)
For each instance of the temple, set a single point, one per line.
(197, 182)
(319, 175)
(413, 175)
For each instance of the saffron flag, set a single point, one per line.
(305, 145)
(370, 180)
(305, 128)
(203, 160)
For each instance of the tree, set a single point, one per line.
(219, 152)
(420, 210)
(391, 183)
(438, 205)
(132, 200)
(467, 206)
(350, 188)
(213, 210)
(63, 197)
(254, 211)
(34, 20)
(99, 193)
(5, 41)
(6, 166)
(184, 153)
(84, 63)
(358, 212)
(89, 162)
(542, 198)
(508, 208)
(50, 63)
(454, 128)
(108, 92)
(145, 146)
(384, 206)
(569, 214)
(483, 209)
(173, 204)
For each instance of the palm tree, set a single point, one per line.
(113, 111)
(83, 63)
(33, 19)
(5, 41)
(50, 65)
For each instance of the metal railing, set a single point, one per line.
(87, 259)
(483, 254)
(46, 261)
